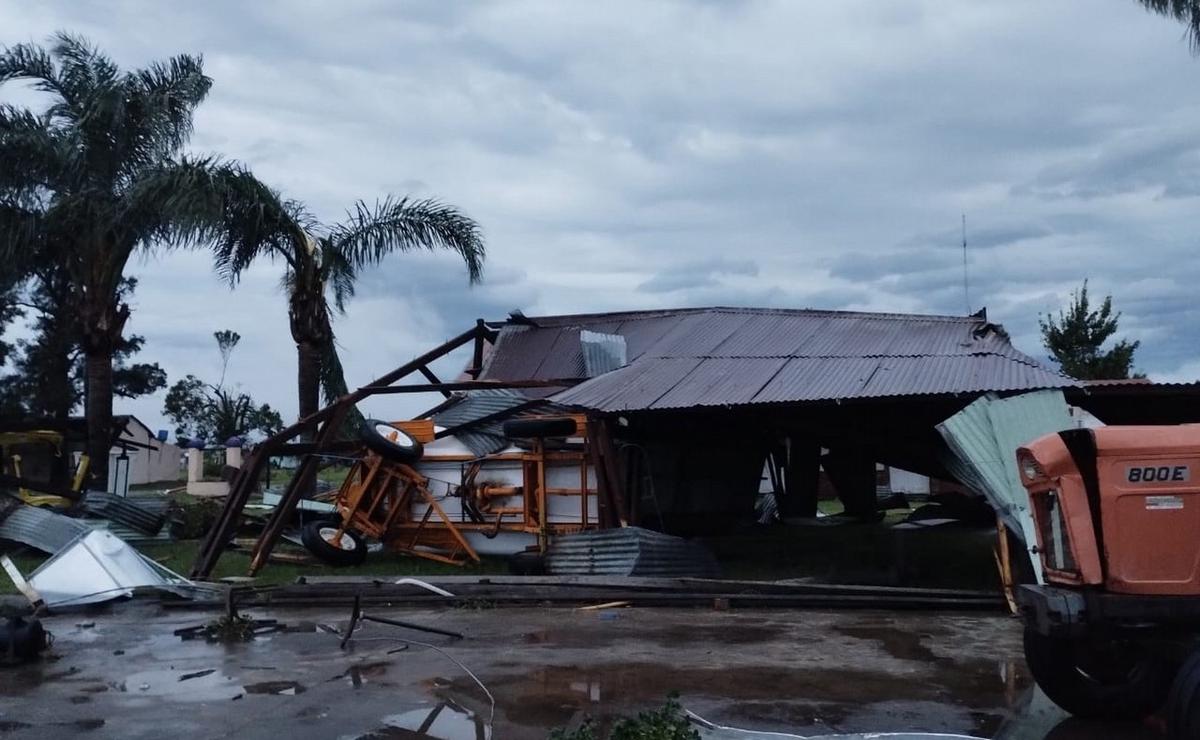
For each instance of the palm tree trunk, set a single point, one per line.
(99, 410)
(308, 381)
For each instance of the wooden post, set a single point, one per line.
(539, 449)
(1004, 562)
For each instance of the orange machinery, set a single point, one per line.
(388, 493)
(1113, 631)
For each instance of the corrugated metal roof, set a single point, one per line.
(41, 529)
(738, 356)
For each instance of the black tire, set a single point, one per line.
(1097, 680)
(531, 428)
(389, 442)
(1183, 703)
(316, 537)
(527, 564)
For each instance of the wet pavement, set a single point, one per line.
(122, 673)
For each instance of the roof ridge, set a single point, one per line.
(639, 314)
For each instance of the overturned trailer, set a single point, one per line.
(676, 412)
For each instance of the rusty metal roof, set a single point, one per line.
(740, 356)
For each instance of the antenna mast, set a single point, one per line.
(966, 289)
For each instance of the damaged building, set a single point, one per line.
(674, 417)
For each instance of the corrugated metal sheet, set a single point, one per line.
(985, 436)
(629, 551)
(736, 356)
(41, 529)
(145, 515)
(602, 352)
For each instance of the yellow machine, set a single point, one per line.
(32, 454)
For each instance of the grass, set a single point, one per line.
(179, 556)
(874, 554)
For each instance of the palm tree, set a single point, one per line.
(99, 175)
(1184, 11)
(322, 263)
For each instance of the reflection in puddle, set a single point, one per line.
(206, 685)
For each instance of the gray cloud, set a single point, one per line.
(625, 155)
(691, 275)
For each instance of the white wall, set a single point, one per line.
(146, 465)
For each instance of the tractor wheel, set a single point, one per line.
(534, 427)
(318, 538)
(1183, 704)
(389, 442)
(1097, 680)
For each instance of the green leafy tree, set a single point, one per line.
(214, 413)
(48, 370)
(322, 264)
(1076, 339)
(1184, 11)
(99, 175)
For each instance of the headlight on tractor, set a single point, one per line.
(1030, 470)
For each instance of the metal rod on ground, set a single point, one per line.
(357, 615)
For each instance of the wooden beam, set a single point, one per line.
(433, 379)
(470, 385)
(243, 483)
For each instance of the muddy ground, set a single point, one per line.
(122, 673)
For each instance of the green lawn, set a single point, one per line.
(179, 556)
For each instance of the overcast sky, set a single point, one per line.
(624, 155)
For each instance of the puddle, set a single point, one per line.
(179, 685)
(280, 688)
(363, 673)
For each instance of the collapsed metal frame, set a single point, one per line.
(325, 423)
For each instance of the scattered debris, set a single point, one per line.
(984, 437)
(99, 566)
(629, 551)
(22, 640)
(357, 616)
(228, 629)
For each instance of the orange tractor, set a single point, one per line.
(1115, 630)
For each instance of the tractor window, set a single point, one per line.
(1056, 541)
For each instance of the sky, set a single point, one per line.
(629, 155)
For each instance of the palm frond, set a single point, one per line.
(333, 385)
(33, 154)
(221, 205)
(31, 62)
(370, 234)
(167, 94)
(338, 273)
(1184, 11)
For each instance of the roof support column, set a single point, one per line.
(801, 473)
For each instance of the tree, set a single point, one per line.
(99, 175)
(1184, 11)
(48, 370)
(1076, 338)
(322, 264)
(211, 412)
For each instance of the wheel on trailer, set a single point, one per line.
(1183, 703)
(530, 428)
(319, 538)
(1112, 679)
(389, 442)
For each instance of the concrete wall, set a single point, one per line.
(146, 465)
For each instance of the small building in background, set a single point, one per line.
(140, 456)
